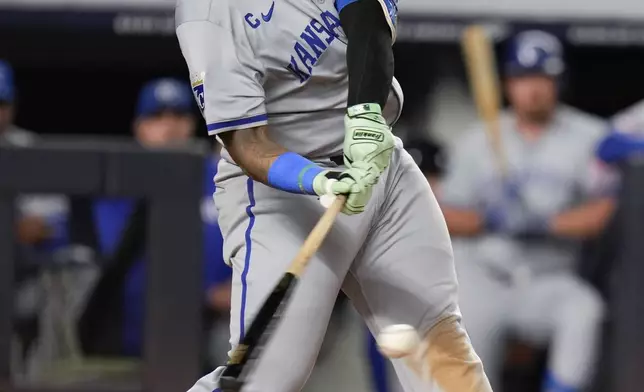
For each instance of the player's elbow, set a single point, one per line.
(239, 143)
(235, 140)
(252, 149)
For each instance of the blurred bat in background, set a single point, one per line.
(478, 51)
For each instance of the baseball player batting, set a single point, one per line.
(301, 95)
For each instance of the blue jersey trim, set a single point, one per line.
(249, 229)
(241, 122)
(340, 4)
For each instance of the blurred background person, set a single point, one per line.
(9, 132)
(39, 230)
(616, 265)
(165, 115)
(38, 215)
(38, 219)
(164, 118)
(518, 234)
(627, 137)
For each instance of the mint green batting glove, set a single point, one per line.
(356, 182)
(368, 137)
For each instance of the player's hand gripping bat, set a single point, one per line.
(256, 338)
(478, 51)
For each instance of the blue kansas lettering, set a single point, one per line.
(313, 41)
(331, 21)
(305, 57)
(317, 36)
(317, 26)
(295, 69)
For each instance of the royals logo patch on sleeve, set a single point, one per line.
(198, 91)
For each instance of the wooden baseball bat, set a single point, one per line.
(478, 51)
(257, 336)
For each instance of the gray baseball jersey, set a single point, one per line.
(554, 173)
(630, 120)
(283, 64)
(253, 62)
(529, 289)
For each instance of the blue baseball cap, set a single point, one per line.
(534, 52)
(7, 87)
(164, 94)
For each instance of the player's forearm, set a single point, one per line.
(583, 222)
(253, 150)
(463, 223)
(265, 161)
(370, 58)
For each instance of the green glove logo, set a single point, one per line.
(368, 135)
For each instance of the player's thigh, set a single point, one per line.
(405, 269)
(405, 377)
(484, 303)
(548, 302)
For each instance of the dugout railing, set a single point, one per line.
(171, 181)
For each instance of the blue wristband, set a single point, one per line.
(293, 173)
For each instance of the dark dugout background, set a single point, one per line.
(80, 72)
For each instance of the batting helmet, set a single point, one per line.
(165, 94)
(534, 52)
(7, 87)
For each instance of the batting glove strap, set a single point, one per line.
(333, 174)
(365, 109)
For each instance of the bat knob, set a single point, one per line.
(230, 384)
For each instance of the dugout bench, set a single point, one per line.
(172, 183)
